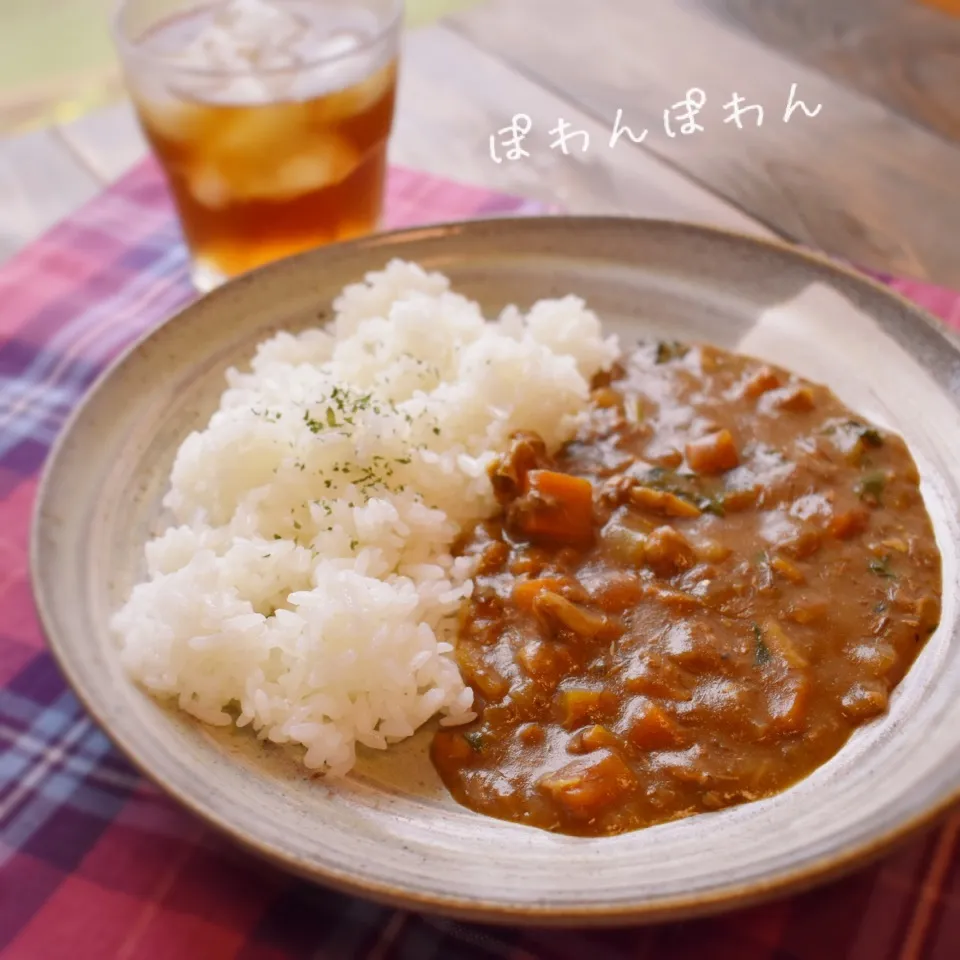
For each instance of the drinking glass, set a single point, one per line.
(269, 118)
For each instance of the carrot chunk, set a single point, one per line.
(562, 508)
(531, 734)
(590, 784)
(848, 523)
(525, 591)
(617, 592)
(662, 502)
(597, 737)
(787, 569)
(760, 383)
(669, 552)
(541, 662)
(450, 745)
(649, 727)
(715, 453)
(580, 705)
(865, 700)
(797, 399)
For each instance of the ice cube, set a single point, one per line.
(243, 90)
(266, 132)
(258, 26)
(356, 99)
(209, 187)
(211, 50)
(269, 177)
(332, 161)
(244, 35)
(328, 40)
(173, 119)
(271, 52)
(336, 45)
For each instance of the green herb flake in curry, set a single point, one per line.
(688, 609)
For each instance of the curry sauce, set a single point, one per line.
(693, 604)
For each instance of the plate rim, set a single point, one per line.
(840, 862)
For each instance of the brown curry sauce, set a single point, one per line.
(693, 605)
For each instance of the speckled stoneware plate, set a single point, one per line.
(390, 831)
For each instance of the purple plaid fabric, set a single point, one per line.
(96, 863)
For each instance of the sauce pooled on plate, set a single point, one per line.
(693, 605)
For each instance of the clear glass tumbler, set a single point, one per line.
(270, 119)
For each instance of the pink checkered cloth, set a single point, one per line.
(96, 864)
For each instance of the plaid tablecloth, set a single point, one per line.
(96, 864)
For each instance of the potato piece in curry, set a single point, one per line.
(693, 605)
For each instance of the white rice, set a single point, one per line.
(307, 589)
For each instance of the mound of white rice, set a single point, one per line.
(307, 589)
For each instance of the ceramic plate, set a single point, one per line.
(390, 831)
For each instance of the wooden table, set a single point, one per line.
(873, 177)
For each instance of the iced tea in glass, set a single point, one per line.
(270, 119)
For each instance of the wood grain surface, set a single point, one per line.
(903, 53)
(873, 178)
(858, 180)
(453, 96)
